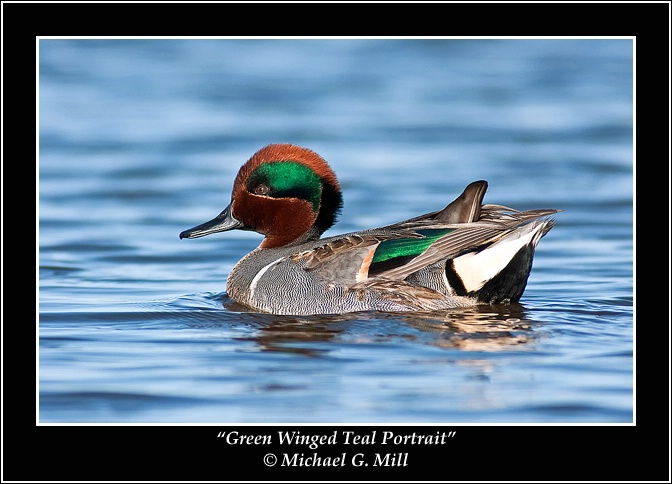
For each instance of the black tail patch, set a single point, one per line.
(508, 286)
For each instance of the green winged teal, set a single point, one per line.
(462, 255)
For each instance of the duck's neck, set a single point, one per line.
(279, 240)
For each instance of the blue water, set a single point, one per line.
(141, 139)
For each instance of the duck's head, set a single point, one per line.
(285, 192)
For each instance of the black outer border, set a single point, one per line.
(180, 453)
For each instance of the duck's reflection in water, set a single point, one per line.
(479, 328)
(294, 334)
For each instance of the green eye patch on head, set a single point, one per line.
(287, 179)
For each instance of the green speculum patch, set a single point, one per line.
(411, 247)
(288, 179)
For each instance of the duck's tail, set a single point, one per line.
(499, 273)
(484, 251)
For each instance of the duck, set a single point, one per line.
(465, 254)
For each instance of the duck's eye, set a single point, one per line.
(261, 189)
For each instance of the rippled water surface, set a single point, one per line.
(141, 139)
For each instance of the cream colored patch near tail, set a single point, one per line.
(477, 268)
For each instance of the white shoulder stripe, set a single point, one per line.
(255, 281)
